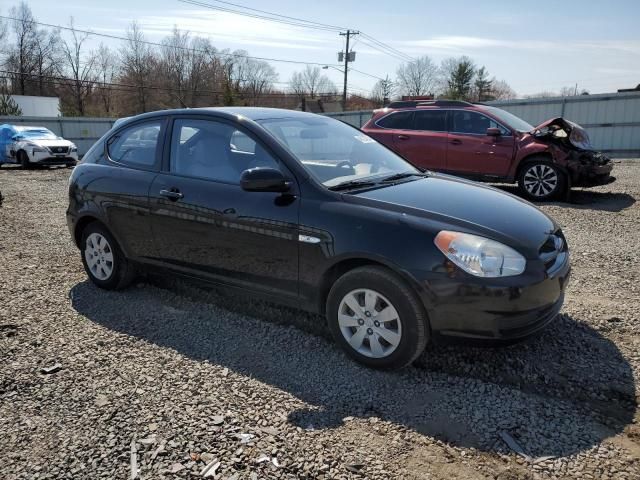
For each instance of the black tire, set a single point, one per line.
(122, 270)
(23, 160)
(536, 180)
(414, 333)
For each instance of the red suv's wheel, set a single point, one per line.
(541, 180)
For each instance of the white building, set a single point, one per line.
(32, 106)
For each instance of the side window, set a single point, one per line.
(242, 143)
(430, 120)
(397, 120)
(464, 121)
(135, 146)
(214, 151)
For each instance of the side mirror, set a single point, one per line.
(264, 180)
(17, 138)
(493, 132)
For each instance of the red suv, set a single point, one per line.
(486, 143)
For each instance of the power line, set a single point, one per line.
(156, 44)
(299, 22)
(279, 18)
(368, 74)
(392, 50)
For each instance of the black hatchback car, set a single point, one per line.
(308, 211)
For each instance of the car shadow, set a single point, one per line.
(557, 395)
(585, 199)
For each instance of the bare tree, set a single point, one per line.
(419, 77)
(47, 58)
(296, 84)
(3, 30)
(175, 63)
(204, 70)
(21, 59)
(382, 91)
(500, 90)
(311, 82)
(259, 78)
(107, 74)
(138, 63)
(81, 67)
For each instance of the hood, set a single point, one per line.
(49, 142)
(472, 207)
(562, 128)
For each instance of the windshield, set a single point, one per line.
(39, 133)
(334, 152)
(510, 119)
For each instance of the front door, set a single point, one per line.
(472, 152)
(205, 224)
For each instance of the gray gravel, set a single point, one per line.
(184, 382)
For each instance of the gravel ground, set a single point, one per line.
(182, 379)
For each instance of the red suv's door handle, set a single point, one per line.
(403, 137)
(455, 141)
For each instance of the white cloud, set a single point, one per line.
(234, 29)
(462, 44)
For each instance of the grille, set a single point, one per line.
(59, 149)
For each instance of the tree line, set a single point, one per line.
(455, 78)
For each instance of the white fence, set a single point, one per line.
(612, 120)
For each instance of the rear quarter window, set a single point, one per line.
(397, 120)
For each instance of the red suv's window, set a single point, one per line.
(430, 120)
(465, 121)
(397, 120)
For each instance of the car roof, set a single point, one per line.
(252, 113)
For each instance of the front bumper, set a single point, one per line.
(505, 310)
(46, 158)
(590, 174)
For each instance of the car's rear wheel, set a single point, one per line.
(23, 159)
(541, 180)
(376, 318)
(103, 260)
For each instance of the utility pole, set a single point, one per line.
(347, 34)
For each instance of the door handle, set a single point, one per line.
(173, 194)
(455, 141)
(230, 212)
(403, 137)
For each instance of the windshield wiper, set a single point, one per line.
(400, 176)
(352, 184)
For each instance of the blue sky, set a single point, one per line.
(534, 46)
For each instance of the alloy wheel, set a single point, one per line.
(99, 256)
(540, 180)
(369, 323)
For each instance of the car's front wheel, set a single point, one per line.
(541, 180)
(23, 159)
(104, 262)
(376, 318)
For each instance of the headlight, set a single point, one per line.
(36, 148)
(73, 148)
(480, 256)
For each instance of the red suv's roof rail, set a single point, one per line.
(426, 103)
